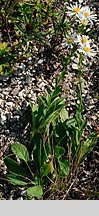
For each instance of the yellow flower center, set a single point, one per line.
(76, 10)
(84, 40)
(86, 14)
(70, 40)
(87, 49)
(84, 22)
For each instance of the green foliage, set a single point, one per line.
(14, 167)
(18, 173)
(59, 151)
(35, 191)
(20, 151)
(57, 145)
(87, 146)
(64, 167)
(18, 180)
(4, 56)
(43, 118)
(63, 115)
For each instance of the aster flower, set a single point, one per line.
(70, 40)
(83, 40)
(87, 14)
(73, 10)
(82, 20)
(87, 50)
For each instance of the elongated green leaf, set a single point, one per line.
(34, 110)
(56, 92)
(35, 191)
(60, 77)
(37, 151)
(20, 151)
(77, 138)
(40, 115)
(42, 100)
(55, 104)
(61, 133)
(33, 107)
(71, 122)
(64, 167)
(17, 180)
(63, 115)
(88, 145)
(14, 167)
(52, 115)
(83, 125)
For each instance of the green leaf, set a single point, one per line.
(17, 180)
(47, 168)
(64, 167)
(43, 100)
(60, 77)
(52, 111)
(88, 145)
(14, 167)
(35, 191)
(37, 151)
(56, 92)
(40, 115)
(63, 115)
(77, 138)
(59, 151)
(55, 104)
(70, 122)
(61, 132)
(20, 151)
(51, 117)
(34, 115)
(33, 107)
(3, 45)
(1, 69)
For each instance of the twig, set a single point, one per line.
(69, 189)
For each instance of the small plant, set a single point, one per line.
(4, 56)
(58, 145)
(20, 172)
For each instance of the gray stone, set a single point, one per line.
(16, 117)
(3, 118)
(75, 66)
(15, 91)
(21, 94)
(9, 104)
(40, 61)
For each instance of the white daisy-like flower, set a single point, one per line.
(87, 14)
(73, 10)
(82, 20)
(70, 40)
(87, 50)
(82, 40)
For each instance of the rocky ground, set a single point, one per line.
(30, 80)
